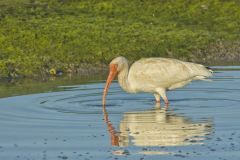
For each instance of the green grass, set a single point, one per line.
(36, 35)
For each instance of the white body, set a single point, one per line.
(157, 75)
(152, 73)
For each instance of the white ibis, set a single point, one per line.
(154, 75)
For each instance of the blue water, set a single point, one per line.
(202, 122)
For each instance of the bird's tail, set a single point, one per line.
(203, 73)
(209, 69)
(203, 78)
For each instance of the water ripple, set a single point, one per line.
(71, 124)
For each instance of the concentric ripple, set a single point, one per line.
(202, 122)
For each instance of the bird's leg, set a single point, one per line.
(164, 97)
(162, 92)
(157, 97)
(166, 100)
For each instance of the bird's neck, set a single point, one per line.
(123, 79)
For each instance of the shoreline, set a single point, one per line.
(89, 70)
(27, 85)
(215, 54)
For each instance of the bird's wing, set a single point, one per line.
(163, 72)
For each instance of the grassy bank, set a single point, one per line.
(37, 35)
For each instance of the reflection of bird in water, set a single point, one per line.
(157, 128)
(154, 75)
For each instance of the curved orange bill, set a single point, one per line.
(111, 76)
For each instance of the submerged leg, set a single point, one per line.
(157, 97)
(162, 92)
(166, 101)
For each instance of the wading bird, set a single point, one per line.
(154, 75)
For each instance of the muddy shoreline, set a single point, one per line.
(90, 70)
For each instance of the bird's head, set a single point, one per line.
(115, 66)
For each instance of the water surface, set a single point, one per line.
(202, 122)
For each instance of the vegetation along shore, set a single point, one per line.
(75, 36)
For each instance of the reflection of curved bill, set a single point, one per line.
(111, 129)
(157, 128)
